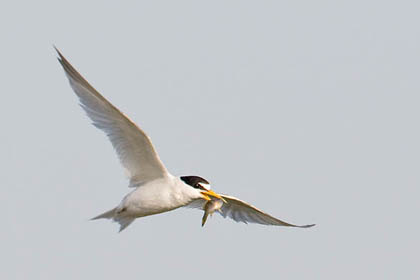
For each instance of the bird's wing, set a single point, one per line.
(197, 204)
(241, 211)
(134, 148)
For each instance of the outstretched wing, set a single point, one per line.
(241, 211)
(134, 148)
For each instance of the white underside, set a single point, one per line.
(157, 196)
(154, 197)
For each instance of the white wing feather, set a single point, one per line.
(241, 211)
(134, 148)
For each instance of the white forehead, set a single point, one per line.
(206, 186)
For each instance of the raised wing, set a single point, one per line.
(241, 211)
(134, 148)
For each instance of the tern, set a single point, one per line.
(155, 189)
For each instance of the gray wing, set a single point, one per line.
(241, 211)
(134, 148)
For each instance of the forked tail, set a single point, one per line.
(116, 216)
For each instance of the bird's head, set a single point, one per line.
(202, 186)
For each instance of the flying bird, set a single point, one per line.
(155, 189)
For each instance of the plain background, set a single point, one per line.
(306, 109)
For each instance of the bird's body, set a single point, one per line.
(154, 197)
(159, 196)
(155, 189)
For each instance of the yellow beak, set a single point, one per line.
(208, 193)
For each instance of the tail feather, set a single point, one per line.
(116, 216)
(107, 215)
(124, 222)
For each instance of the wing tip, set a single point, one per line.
(307, 226)
(60, 57)
(57, 50)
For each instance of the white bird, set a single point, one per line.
(155, 189)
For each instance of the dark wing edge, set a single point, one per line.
(134, 148)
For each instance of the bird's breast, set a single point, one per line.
(154, 198)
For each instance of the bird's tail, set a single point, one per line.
(116, 216)
(107, 215)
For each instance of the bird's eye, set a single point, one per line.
(198, 186)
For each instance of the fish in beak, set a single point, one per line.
(210, 207)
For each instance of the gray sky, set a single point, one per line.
(307, 109)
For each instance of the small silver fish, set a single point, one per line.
(210, 207)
